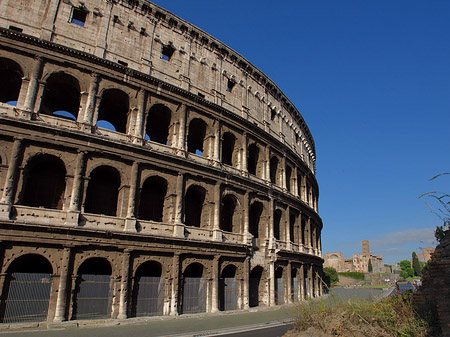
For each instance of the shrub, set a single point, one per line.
(330, 276)
(353, 274)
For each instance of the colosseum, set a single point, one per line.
(146, 169)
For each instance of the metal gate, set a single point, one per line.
(279, 291)
(305, 285)
(295, 288)
(229, 293)
(93, 299)
(149, 296)
(27, 298)
(254, 292)
(194, 295)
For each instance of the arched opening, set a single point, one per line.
(228, 298)
(255, 286)
(151, 204)
(61, 96)
(196, 136)
(279, 286)
(274, 170)
(292, 231)
(294, 285)
(288, 178)
(27, 290)
(158, 122)
(276, 224)
(229, 218)
(102, 191)
(148, 290)
(44, 183)
(93, 287)
(253, 157)
(304, 234)
(255, 212)
(194, 289)
(195, 197)
(114, 108)
(306, 281)
(11, 81)
(228, 142)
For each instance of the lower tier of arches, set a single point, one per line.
(44, 282)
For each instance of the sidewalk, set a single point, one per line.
(183, 325)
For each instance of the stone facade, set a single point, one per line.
(201, 190)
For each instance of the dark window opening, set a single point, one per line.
(288, 178)
(122, 63)
(304, 234)
(102, 191)
(228, 142)
(114, 108)
(195, 196)
(152, 199)
(255, 285)
(16, 29)
(194, 270)
(274, 170)
(276, 224)
(147, 298)
(158, 122)
(201, 95)
(252, 160)
(95, 266)
(196, 136)
(150, 269)
(78, 16)
(292, 233)
(273, 114)
(229, 271)
(230, 85)
(61, 96)
(11, 81)
(44, 183)
(228, 214)
(31, 263)
(167, 52)
(254, 218)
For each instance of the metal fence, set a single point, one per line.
(279, 291)
(148, 296)
(229, 293)
(194, 295)
(93, 299)
(295, 288)
(27, 297)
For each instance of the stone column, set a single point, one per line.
(246, 284)
(140, 117)
(178, 226)
(244, 153)
(11, 179)
(215, 285)
(91, 100)
(267, 166)
(295, 189)
(182, 131)
(75, 200)
(217, 234)
(289, 282)
(270, 234)
(175, 284)
(60, 311)
(310, 280)
(288, 228)
(216, 151)
(271, 283)
(33, 85)
(301, 288)
(283, 173)
(130, 222)
(308, 232)
(247, 235)
(124, 282)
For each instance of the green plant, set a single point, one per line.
(416, 265)
(330, 276)
(353, 274)
(404, 264)
(370, 267)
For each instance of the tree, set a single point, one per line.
(370, 266)
(404, 274)
(330, 276)
(404, 264)
(416, 264)
(410, 272)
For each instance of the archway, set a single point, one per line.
(152, 197)
(93, 298)
(11, 81)
(279, 286)
(228, 220)
(255, 212)
(195, 196)
(114, 108)
(228, 142)
(44, 183)
(274, 170)
(196, 136)
(102, 191)
(148, 290)
(228, 298)
(61, 96)
(27, 290)
(158, 122)
(294, 284)
(253, 157)
(194, 289)
(255, 286)
(276, 224)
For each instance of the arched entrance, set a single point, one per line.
(294, 284)
(93, 296)
(194, 290)
(228, 289)
(279, 286)
(148, 290)
(27, 290)
(254, 288)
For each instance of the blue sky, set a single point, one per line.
(372, 80)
